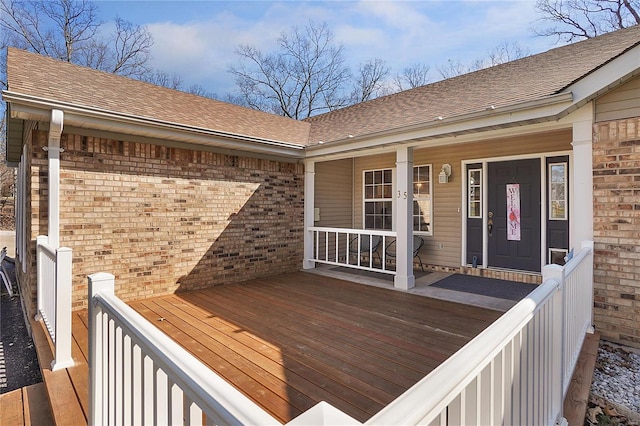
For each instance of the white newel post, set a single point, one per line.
(404, 278)
(104, 283)
(53, 149)
(582, 226)
(63, 358)
(309, 204)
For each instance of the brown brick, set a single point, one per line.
(154, 216)
(616, 165)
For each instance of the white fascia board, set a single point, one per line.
(31, 108)
(607, 77)
(538, 111)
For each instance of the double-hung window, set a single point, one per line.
(378, 199)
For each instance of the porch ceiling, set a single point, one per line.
(291, 341)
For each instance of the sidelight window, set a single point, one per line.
(422, 202)
(558, 191)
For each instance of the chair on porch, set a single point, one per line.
(418, 242)
(368, 244)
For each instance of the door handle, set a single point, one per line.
(490, 224)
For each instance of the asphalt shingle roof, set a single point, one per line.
(527, 79)
(531, 78)
(44, 77)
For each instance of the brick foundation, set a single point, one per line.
(167, 219)
(616, 190)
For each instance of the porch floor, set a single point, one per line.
(291, 341)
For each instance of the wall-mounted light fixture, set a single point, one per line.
(445, 172)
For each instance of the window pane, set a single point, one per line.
(368, 192)
(368, 178)
(557, 173)
(387, 176)
(369, 222)
(368, 208)
(388, 191)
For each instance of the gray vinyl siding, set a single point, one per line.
(622, 103)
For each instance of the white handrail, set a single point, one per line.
(515, 371)
(163, 383)
(54, 281)
(344, 247)
(429, 397)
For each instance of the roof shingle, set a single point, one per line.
(527, 79)
(47, 78)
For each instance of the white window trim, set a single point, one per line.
(366, 200)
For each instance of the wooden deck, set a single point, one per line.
(68, 388)
(291, 341)
(26, 407)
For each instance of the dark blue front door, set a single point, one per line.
(514, 215)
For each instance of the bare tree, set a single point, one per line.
(453, 69)
(505, 52)
(369, 82)
(304, 77)
(69, 30)
(412, 76)
(198, 90)
(570, 20)
(161, 78)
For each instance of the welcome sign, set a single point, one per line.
(513, 212)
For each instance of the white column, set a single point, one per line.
(582, 207)
(309, 198)
(404, 278)
(53, 149)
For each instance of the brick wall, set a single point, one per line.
(616, 185)
(167, 219)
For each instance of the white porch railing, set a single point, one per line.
(516, 371)
(138, 375)
(54, 279)
(352, 248)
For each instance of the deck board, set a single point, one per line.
(26, 406)
(290, 341)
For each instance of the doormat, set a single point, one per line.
(483, 286)
(372, 274)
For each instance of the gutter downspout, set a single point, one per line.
(53, 149)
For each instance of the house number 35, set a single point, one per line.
(403, 195)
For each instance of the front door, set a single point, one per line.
(513, 220)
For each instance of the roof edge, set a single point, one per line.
(509, 110)
(106, 115)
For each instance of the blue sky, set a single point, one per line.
(196, 39)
